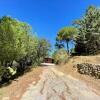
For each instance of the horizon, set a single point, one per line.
(46, 17)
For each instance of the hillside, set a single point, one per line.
(55, 83)
(69, 69)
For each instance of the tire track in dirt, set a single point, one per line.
(54, 85)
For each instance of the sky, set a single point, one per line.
(46, 17)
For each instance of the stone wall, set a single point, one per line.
(89, 69)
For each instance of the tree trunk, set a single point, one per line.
(68, 48)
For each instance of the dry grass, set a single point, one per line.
(90, 81)
(17, 88)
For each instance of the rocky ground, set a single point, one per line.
(55, 85)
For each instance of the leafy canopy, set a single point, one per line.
(88, 40)
(65, 35)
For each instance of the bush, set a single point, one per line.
(6, 73)
(2, 71)
(60, 56)
(18, 45)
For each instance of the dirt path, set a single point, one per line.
(15, 89)
(54, 85)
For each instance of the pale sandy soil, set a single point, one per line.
(55, 85)
(15, 90)
(68, 69)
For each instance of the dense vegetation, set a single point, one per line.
(88, 39)
(19, 48)
(60, 56)
(64, 36)
(85, 34)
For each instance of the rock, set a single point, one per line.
(89, 69)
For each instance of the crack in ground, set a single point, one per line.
(44, 82)
(56, 86)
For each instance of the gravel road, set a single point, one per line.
(54, 85)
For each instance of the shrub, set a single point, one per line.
(19, 45)
(2, 71)
(60, 56)
(6, 73)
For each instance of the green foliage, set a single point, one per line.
(42, 50)
(88, 39)
(72, 51)
(12, 71)
(2, 70)
(65, 35)
(13, 39)
(5, 73)
(17, 43)
(60, 56)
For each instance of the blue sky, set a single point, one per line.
(46, 16)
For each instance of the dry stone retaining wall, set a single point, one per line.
(89, 69)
